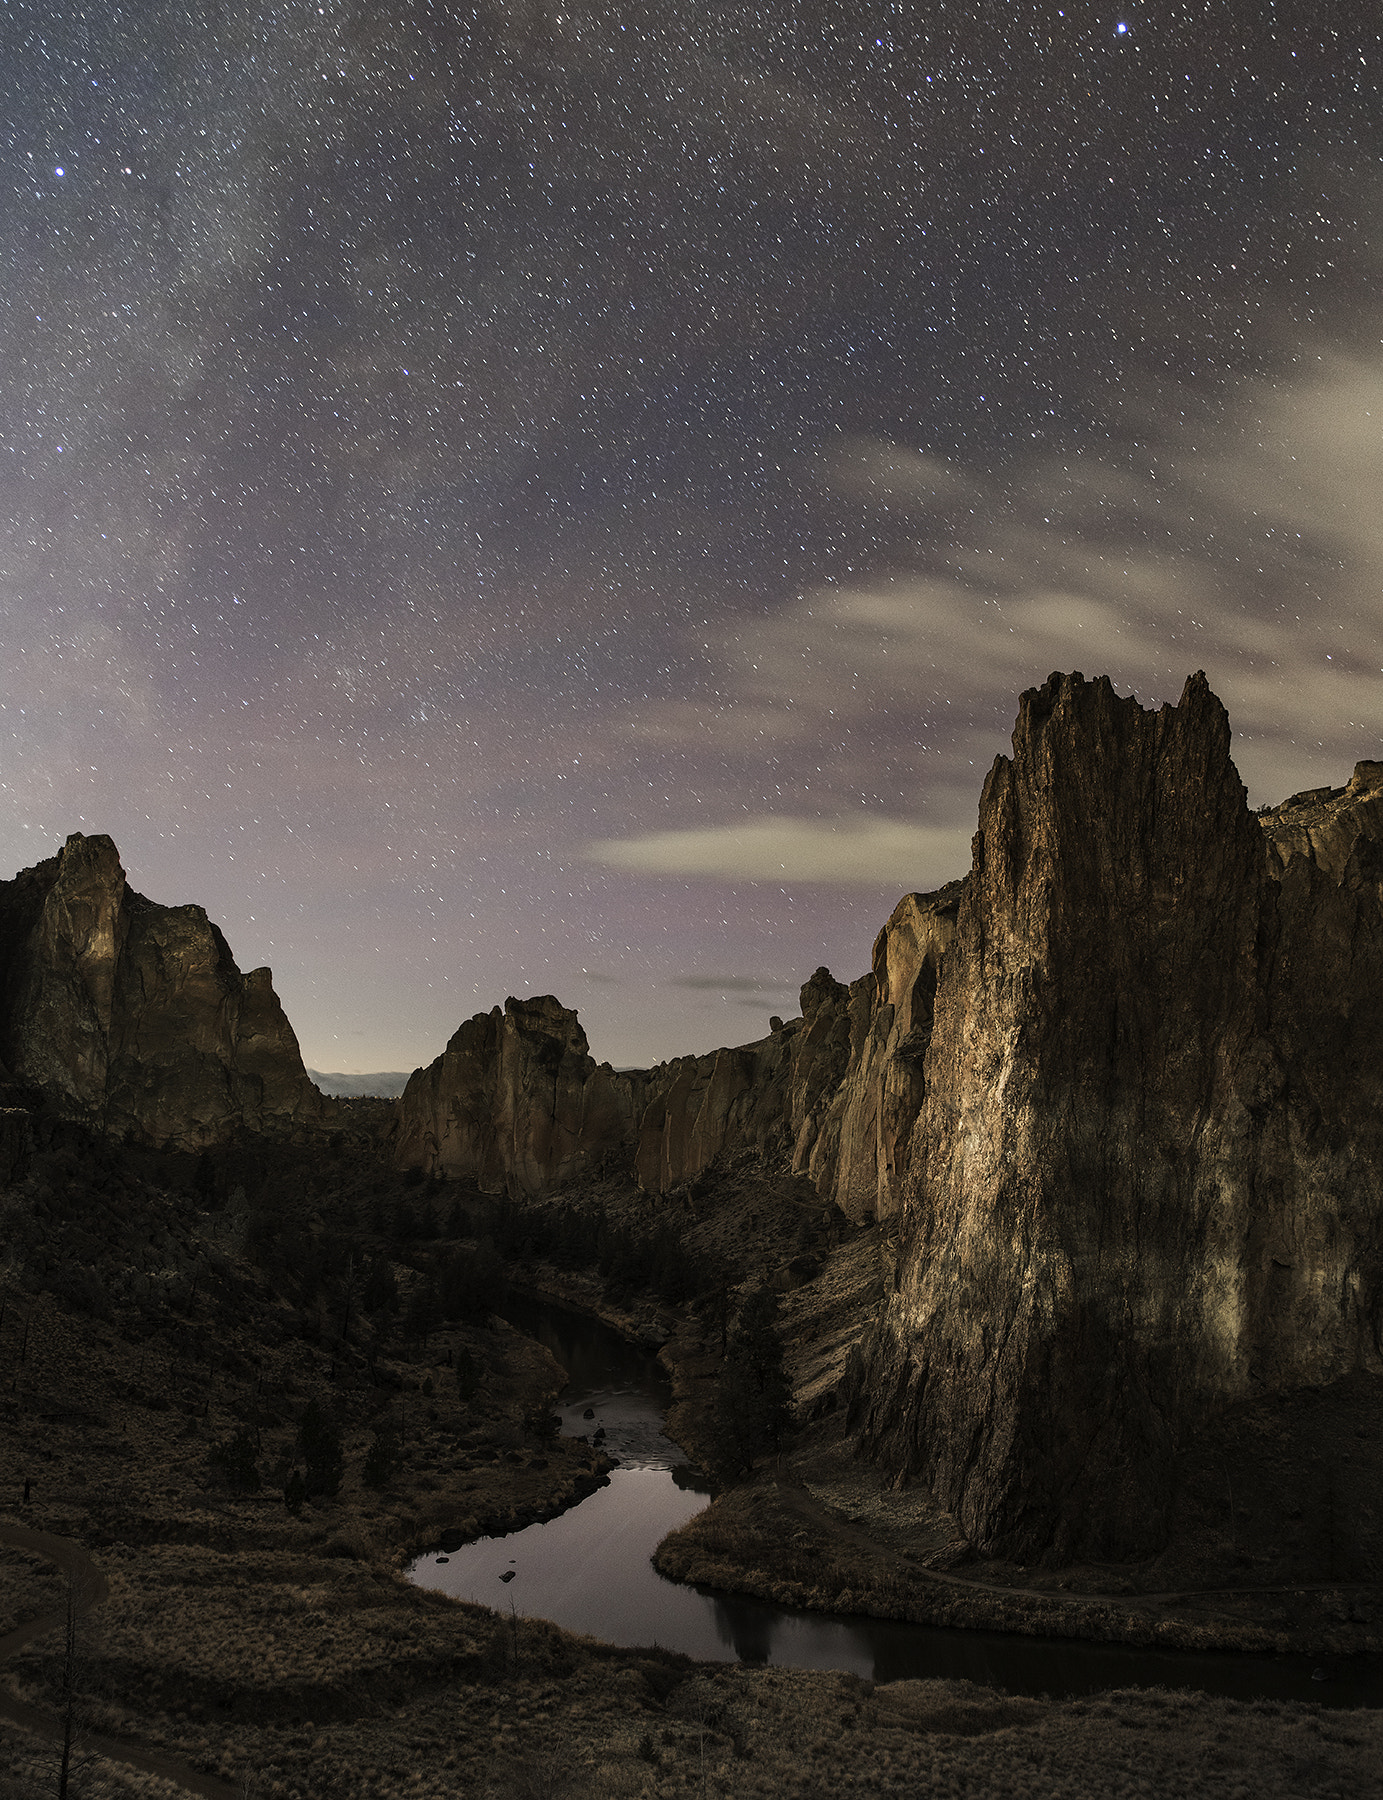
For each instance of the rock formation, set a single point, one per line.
(133, 1017)
(1118, 1096)
(855, 1141)
(517, 1103)
(1147, 1170)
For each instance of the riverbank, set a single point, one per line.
(513, 1709)
(286, 1656)
(821, 1530)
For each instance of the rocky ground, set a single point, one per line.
(150, 1313)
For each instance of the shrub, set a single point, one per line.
(320, 1442)
(233, 1462)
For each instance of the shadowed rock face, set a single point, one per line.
(516, 1102)
(133, 1017)
(1145, 1173)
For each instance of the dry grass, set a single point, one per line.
(605, 1727)
(289, 1658)
(29, 1585)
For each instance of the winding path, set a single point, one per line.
(92, 1588)
(829, 1523)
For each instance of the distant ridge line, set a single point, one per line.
(388, 1084)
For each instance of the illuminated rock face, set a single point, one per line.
(1146, 1175)
(1118, 1096)
(854, 1136)
(133, 1017)
(517, 1103)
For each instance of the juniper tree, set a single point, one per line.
(752, 1411)
(320, 1441)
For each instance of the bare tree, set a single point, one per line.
(69, 1680)
(79, 1587)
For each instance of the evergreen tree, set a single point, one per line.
(234, 1462)
(424, 1311)
(471, 1284)
(320, 1442)
(467, 1374)
(381, 1290)
(752, 1411)
(382, 1458)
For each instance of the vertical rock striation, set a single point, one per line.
(854, 1139)
(1147, 1169)
(133, 1017)
(516, 1102)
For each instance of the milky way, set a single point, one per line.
(564, 499)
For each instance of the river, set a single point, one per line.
(589, 1571)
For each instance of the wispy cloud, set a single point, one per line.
(794, 850)
(1249, 544)
(736, 984)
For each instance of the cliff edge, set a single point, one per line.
(132, 1017)
(1147, 1168)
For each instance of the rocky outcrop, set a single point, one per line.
(132, 1017)
(1146, 1173)
(855, 1142)
(760, 1097)
(834, 1094)
(1325, 824)
(516, 1103)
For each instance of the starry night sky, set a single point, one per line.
(519, 498)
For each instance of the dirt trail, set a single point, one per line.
(829, 1523)
(92, 1588)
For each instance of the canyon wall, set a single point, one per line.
(1117, 1097)
(517, 1103)
(1147, 1170)
(133, 1017)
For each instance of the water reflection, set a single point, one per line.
(589, 1571)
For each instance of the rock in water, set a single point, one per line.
(133, 1017)
(1146, 1176)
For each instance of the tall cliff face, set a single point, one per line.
(133, 1017)
(856, 1140)
(1146, 1172)
(517, 1103)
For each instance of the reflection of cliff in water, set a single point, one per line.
(690, 1480)
(748, 1630)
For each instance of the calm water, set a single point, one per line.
(590, 1572)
